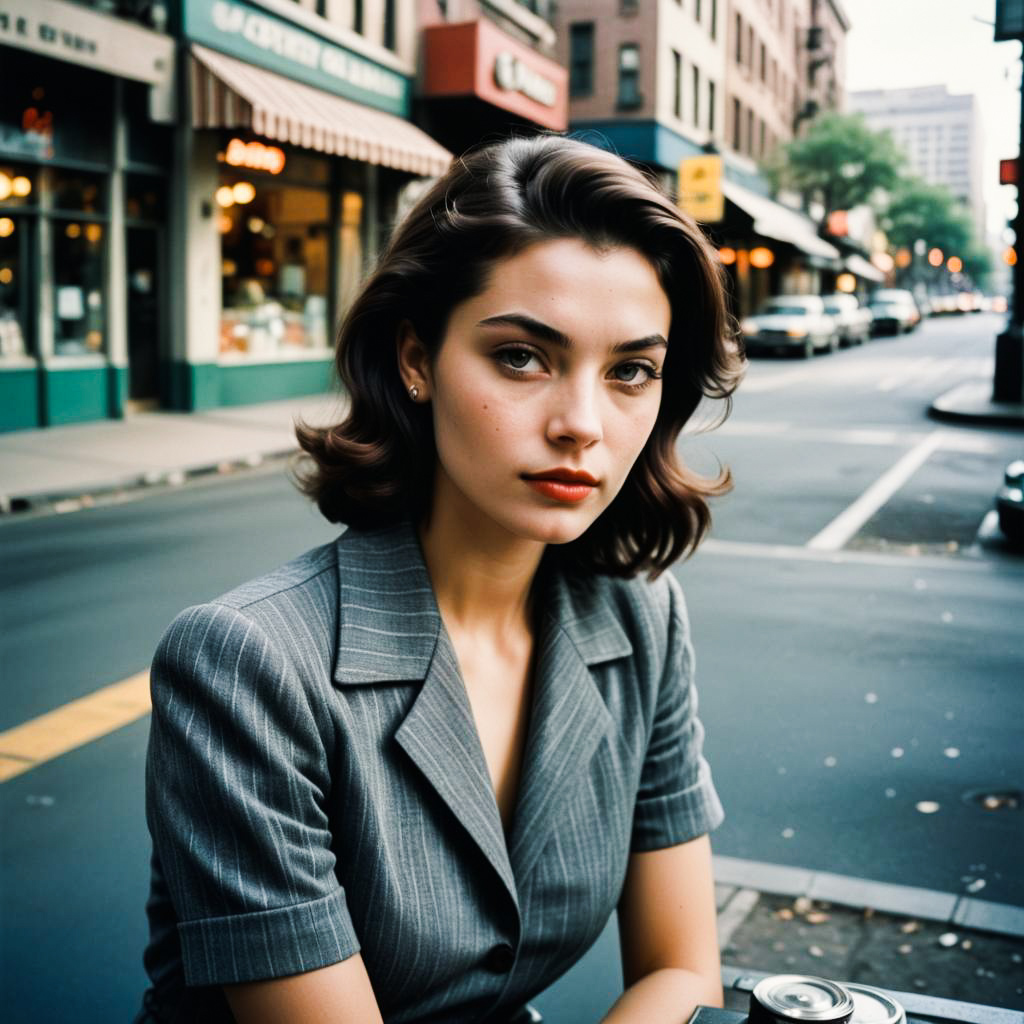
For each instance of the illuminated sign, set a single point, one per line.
(255, 155)
(512, 75)
(700, 188)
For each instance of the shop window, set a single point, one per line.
(357, 16)
(389, 24)
(78, 248)
(17, 299)
(274, 267)
(145, 198)
(54, 110)
(581, 58)
(629, 75)
(149, 144)
(78, 191)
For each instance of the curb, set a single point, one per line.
(74, 499)
(971, 402)
(845, 890)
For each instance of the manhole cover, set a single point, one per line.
(995, 799)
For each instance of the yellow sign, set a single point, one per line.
(700, 188)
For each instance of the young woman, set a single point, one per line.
(410, 775)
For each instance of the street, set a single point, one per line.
(859, 654)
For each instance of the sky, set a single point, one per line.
(900, 43)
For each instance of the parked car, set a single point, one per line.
(792, 323)
(1010, 502)
(854, 320)
(894, 311)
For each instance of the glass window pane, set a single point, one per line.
(274, 267)
(144, 197)
(79, 191)
(15, 300)
(80, 316)
(19, 186)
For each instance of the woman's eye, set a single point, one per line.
(634, 373)
(516, 358)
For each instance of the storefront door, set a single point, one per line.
(145, 320)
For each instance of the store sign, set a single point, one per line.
(268, 41)
(512, 74)
(73, 33)
(700, 188)
(255, 155)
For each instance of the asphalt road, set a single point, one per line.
(817, 660)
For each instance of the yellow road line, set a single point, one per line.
(72, 725)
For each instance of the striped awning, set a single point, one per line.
(228, 93)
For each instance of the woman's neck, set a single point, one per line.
(482, 577)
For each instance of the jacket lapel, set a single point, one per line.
(390, 629)
(569, 717)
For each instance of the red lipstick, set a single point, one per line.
(565, 485)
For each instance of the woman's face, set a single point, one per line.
(545, 389)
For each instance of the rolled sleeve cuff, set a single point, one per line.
(268, 943)
(677, 817)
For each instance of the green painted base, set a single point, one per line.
(117, 390)
(265, 382)
(196, 386)
(74, 396)
(19, 399)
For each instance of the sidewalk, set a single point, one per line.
(914, 957)
(81, 462)
(971, 402)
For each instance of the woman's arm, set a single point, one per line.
(339, 994)
(667, 932)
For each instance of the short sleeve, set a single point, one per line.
(236, 778)
(676, 800)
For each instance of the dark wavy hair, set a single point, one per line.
(376, 467)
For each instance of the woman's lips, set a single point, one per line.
(569, 491)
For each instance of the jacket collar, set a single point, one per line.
(385, 595)
(390, 629)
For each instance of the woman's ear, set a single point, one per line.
(413, 362)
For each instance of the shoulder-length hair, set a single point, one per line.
(377, 466)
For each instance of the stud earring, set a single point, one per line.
(414, 392)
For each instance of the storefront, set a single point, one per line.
(479, 82)
(83, 155)
(295, 154)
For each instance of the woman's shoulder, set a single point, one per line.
(634, 616)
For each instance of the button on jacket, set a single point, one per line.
(316, 785)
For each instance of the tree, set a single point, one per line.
(840, 161)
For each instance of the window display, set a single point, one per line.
(274, 267)
(18, 191)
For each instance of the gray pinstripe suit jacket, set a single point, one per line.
(316, 785)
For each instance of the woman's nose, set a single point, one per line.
(575, 419)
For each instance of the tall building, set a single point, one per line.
(941, 134)
(765, 75)
(646, 80)
(190, 196)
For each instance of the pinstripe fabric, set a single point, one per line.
(316, 785)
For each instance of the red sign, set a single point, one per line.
(838, 223)
(475, 58)
(1008, 172)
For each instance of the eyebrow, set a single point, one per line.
(548, 333)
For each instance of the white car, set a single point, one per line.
(793, 323)
(854, 319)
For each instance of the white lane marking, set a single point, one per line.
(851, 519)
(877, 436)
(795, 553)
